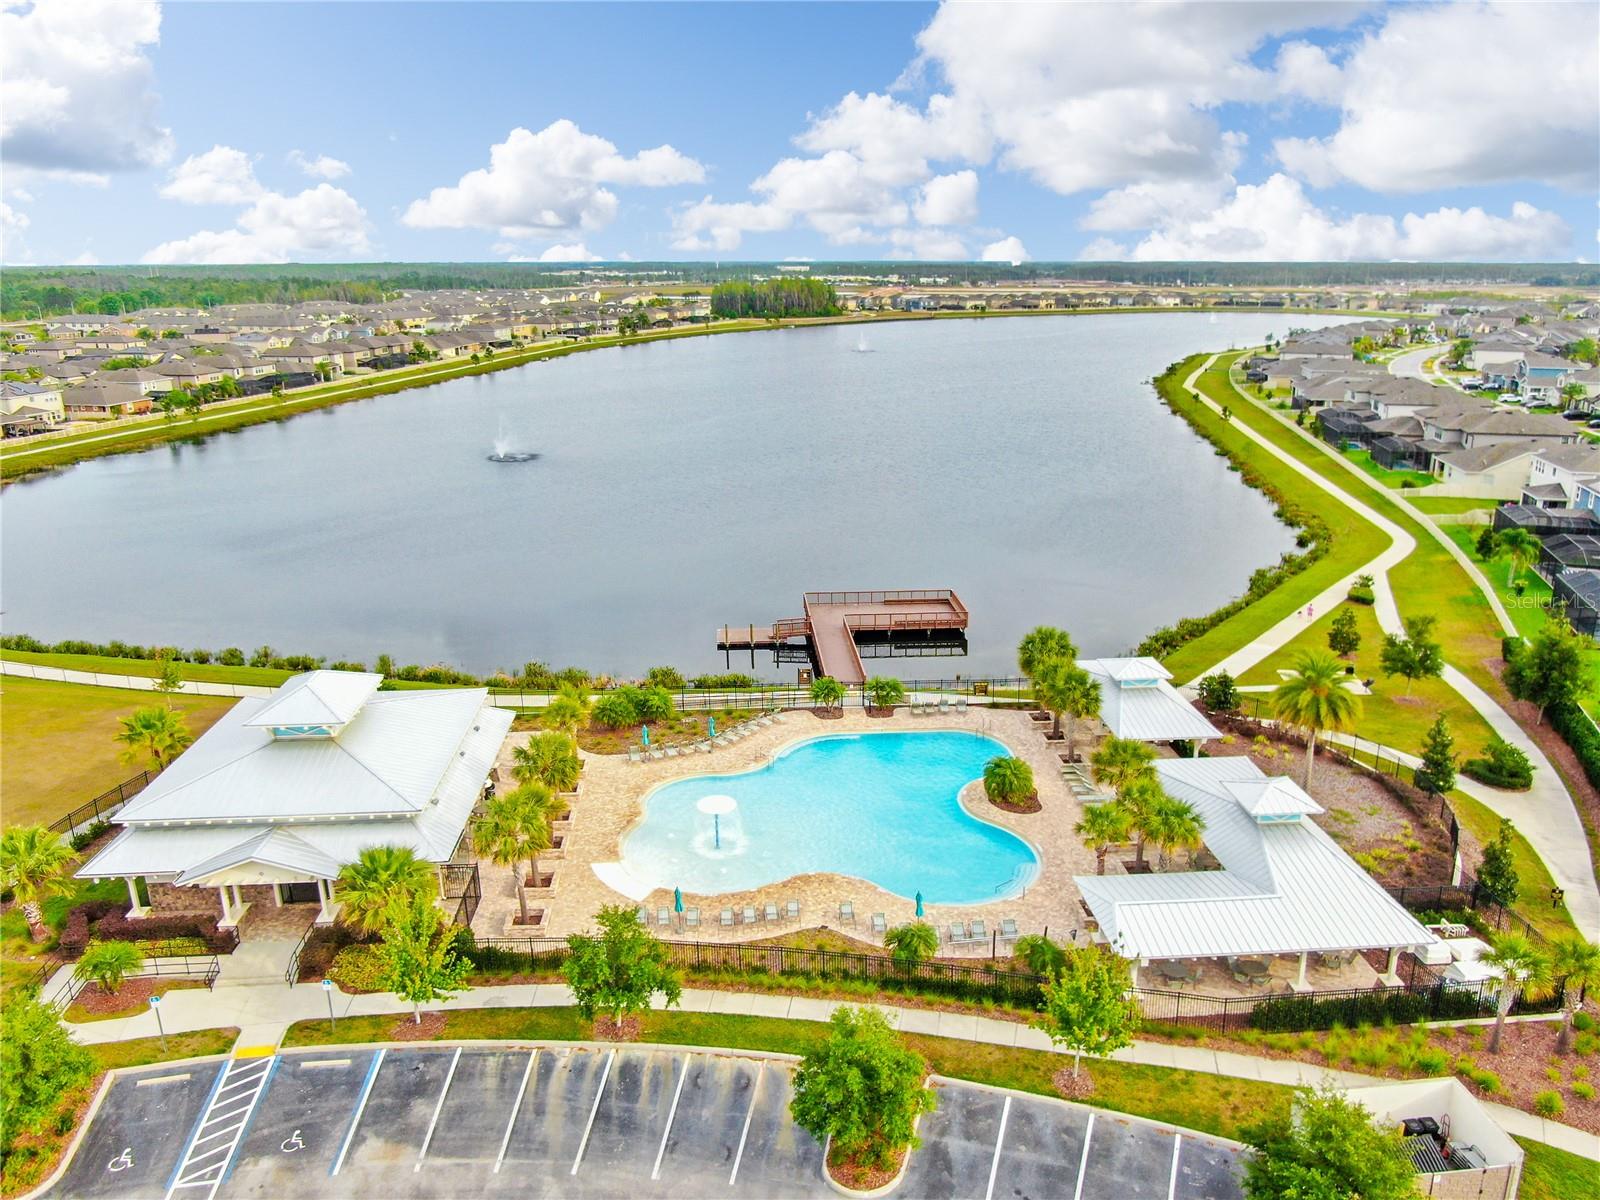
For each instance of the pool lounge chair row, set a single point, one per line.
(927, 708)
(727, 737)
(959, 933)
(750, 914)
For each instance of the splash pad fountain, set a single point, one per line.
(723, 835)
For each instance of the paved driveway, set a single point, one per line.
(562, 1121)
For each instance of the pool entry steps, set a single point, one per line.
(837, 624)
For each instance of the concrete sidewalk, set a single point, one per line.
(264, 1014)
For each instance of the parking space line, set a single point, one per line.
(655, 1171)
(605, 1074)
(205, 1169)
(1083, 1163)
(422, 1151)
(1172, 1182)
(516, 1106)
(999, 1141)
(361, 1107)
(324, 1062)
(755, 1088)
(159, 1079)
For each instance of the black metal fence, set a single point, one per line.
(756, 699)
(103, 805)
(461, 884)
(205, 969)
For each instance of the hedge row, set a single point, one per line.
(1575, 728)
(107, 921)
(1291, 1014)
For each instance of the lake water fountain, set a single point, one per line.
(503, 453)
(719, 830)
(861, 343)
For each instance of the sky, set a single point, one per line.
(193, 132)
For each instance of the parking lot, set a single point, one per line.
(568, 1121)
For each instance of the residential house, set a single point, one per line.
(1558, 471)
(96, 401)
(30, 406)
(1495, 471)
(147, 381)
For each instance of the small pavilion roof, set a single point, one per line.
(1137, 701)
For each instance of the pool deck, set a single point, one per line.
(610, 802)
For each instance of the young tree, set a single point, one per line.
(1102, 827)
(884, 691)
(171, 679)
(618, 970)
(1040, 645)
(1488, 543)
(1574, 960)
(1315, 700)
(1497, 872)
(863, 1088)
(1343, 637)
(515, 828)
(1062, 686)
(1436, 774)
(1039, 954)
(1584, 350)
(39, 1066)
(911, 943)
(827, 692)
(1219, 693)
(549, 759)
(1326, 1148)
(380, 877)
(107, 963)
(1087, 1007)
(1415, 656)
(33, 867)
(1520, 547)
(157, 733)
(1007, 779)
(420, 962)
(1553, 669)
(1521, 967)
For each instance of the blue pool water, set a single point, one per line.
(882, 807)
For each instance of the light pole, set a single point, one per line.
(155, 1007)
(327, 990)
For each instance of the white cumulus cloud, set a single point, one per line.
(222, 175)
(551, 183)
(940, 245)
(322, 222)
(77, 91)
(319, 166)
(949, 199)
(575, 252)
(1006, 250)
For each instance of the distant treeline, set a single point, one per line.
(33, 295)
(775, 298)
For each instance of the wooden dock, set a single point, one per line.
(836, 621)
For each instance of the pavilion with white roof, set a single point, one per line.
(1138, 702)
(285, 789)
(1285, 887)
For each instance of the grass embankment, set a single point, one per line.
(1534, 882)
(1207, 1103)
(1429, 581)
(1389, 715)
(1389, 477)
(149, 668)
(1552, 1174)
(1449, 505)
(1354, 541)
(58, 742)
(35, 1155)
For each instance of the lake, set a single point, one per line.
(1024, 462)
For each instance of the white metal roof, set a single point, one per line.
(1271, 798)
(317, 698)
(1136, 701)
(273, 847)
(1285, 886)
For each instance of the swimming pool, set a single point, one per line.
(882, 807)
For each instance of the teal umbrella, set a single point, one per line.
(711, 727)
(677, 900)
(919, 904)
(644, 734)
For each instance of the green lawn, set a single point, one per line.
(1552, 1174)
(147, 668)
(1388, 477)
(1534, 881)
(1441, 505)
(1389, 715)
(57, 742)
(1208, 1103)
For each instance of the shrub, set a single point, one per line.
(358, 969)
(84, 837)
(1007, 780)
(108, 964)
(617, 709)
(653, 703)
(1219, 693)
(1487, 1081)
(1361, 595)
(1549, 1104)
(731, 680)
(1583, 1091)
(1583, 1022)
(231, 657)
(665, 677)
(1502, 766)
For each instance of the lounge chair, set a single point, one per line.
(944, 706)
(763, 722)
(634, 756)
(771, 914)
(961, 704)
(673, 752)
(980, 932)
(778, 714)
(879, 923)
(691, 918)
(664, 917)
(847, 913)
(791, 910)
(957, 933)
(726, 919)
(1008, 929)
(748, 914)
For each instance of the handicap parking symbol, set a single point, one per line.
(122, 1161)
(293, 1142)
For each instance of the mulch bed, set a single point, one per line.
(1030, 804)
(1073, 1088)
(860, 1177)
(625, 1030)
(132, 997)
(406, 1029)
(828, 714)
(874, 711)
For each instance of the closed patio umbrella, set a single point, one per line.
(644, 734)
(919, 904)
(677, 900)
(711, 727)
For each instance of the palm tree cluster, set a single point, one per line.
(1142, 810)
(1048, 657)
(515, 828)
(1565, 968)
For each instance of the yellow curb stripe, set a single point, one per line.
(255, 1051)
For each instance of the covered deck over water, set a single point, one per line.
(836, 621)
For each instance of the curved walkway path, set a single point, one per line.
(264, 1014)
(1546, 815)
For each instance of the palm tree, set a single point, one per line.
(1007, 780)
(380, 878)
(1173, 825)
(1522, 968)
(568, 709)
(548, 758)
(1141, 799)
(1576, 962)
(1315, 700)
(108, 964)
(1521, 547)
(884, 691)
(827, 692)
(1103, 826)
(1120, 761)
(1039, 954)
(156, 732)
(33, 867)
(1041, 644)
(509, 833)
(911, 943)
(1061, 686)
